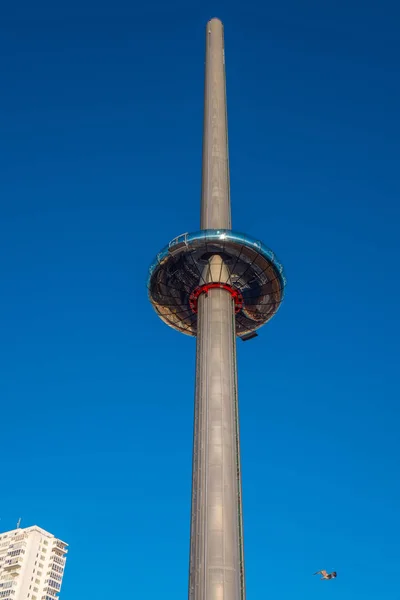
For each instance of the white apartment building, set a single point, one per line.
(32, 563)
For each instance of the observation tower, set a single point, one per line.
(216, 284)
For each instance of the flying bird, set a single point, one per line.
(326, 575)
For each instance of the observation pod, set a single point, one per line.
(181, 273)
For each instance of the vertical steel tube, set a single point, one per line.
(215, 195)
(216, 547)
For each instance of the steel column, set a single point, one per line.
(216, 548)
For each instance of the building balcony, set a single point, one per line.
(51, 591)
(10, 567)
(5, 581)
(18, 545)
(54, 584)
(58, 561)
(10, 574)
(56, 554)
(18, 538)
(15, 559)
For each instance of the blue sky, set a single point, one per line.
(101, 121)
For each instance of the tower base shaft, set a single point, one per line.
(216, 553)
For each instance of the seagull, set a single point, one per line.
(326, 575)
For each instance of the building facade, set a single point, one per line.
(32, 563)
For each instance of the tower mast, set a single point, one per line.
(216, 550)
(215, 194)
(216, 284)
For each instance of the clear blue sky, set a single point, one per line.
(101, 123)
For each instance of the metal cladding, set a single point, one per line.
(251, 268)
(216, 542)
(215, 192)
(216, 284)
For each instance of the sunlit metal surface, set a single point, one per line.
(216, 284)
